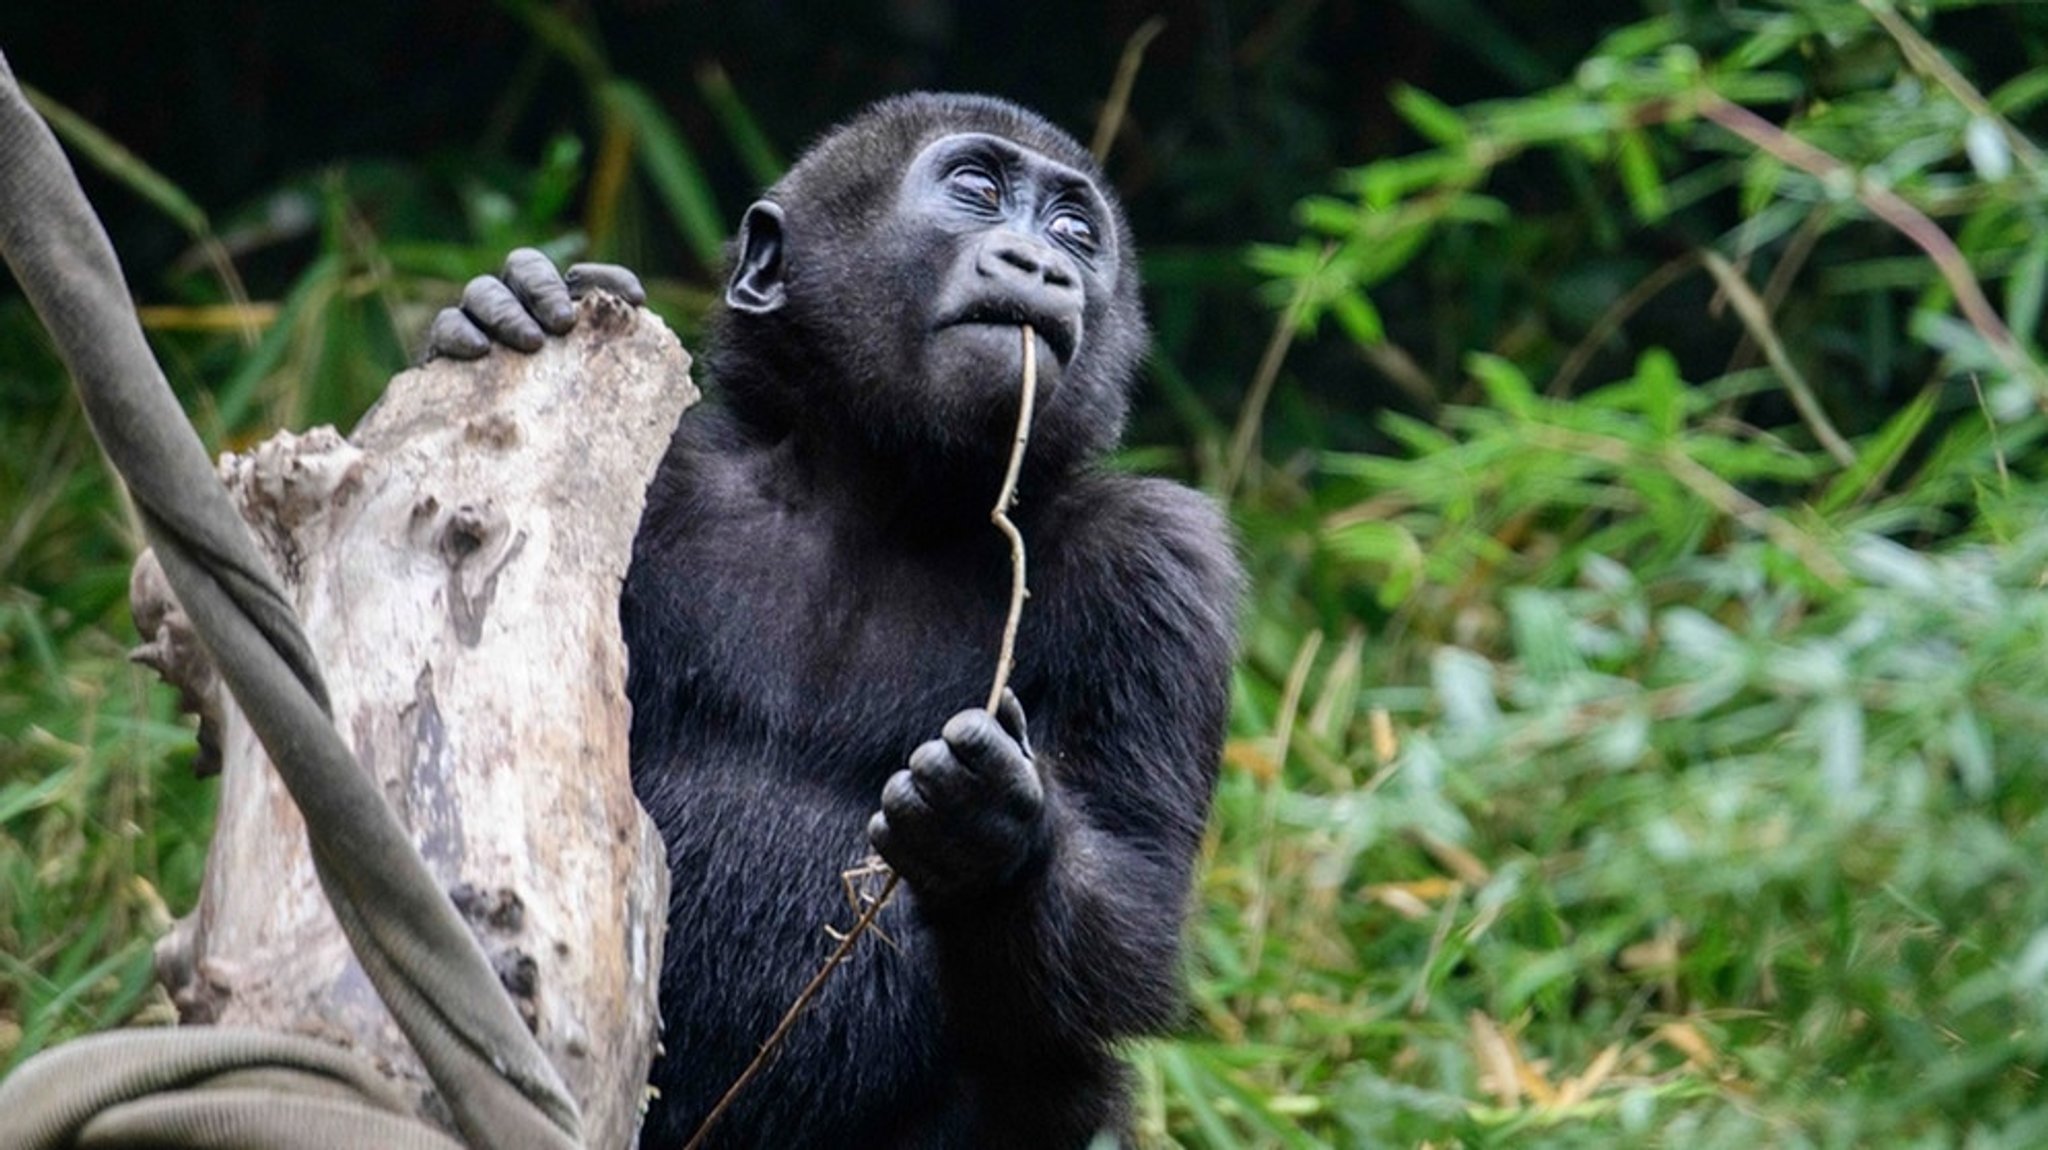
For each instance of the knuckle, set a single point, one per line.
(899, 794)
(483, 292)
(930, 757)
(970, 732)
(1027, 799)
(452, 334)
(1018, 789)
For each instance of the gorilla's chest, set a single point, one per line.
(813, 642)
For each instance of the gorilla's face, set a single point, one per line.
(896, 313)
(1002, 237)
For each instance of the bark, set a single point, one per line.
(457, 563)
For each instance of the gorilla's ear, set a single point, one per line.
(756, 286)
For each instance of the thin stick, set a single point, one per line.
(789, 1017)
(1261, 910)
(1004, 661)
(1120, 88)
(1756, 317)
(1253, 412)
(1890, 207)
(1925, 57)
(1610, 321)
(1001, 518)
(1797, 251)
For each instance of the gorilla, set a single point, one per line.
(815, 593)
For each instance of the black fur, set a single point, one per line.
(817, 590)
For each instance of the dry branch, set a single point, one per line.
(456, 563)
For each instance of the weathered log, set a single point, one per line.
(456, 563)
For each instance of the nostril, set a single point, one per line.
(1018, 258)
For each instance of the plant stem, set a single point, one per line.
(1006, 658)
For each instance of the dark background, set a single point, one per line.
(1239, 111)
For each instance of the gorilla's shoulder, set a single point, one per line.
(1157, 548)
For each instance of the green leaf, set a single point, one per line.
(1390, 548)
(1773, 37)
(1285, 263)
(19, 798)
(1194, 1089)
(1660, 392)
(1984, 142)
(1971, 749)
(1542, 630)
(1761, 177)
(1331, 216)
(1879, 454)
(1505, 384)
(2020, 94)
(1359, 319)
(763, 162)
(1464, 686)
(1639, 176)
(1384, 183)
(2023, 292)
(553, 186)
(1837, 727)
(1547, 120)
(1640, 39)
(239, 395)
(1435, 120)
(672, 166)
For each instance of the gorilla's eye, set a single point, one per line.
(1071, 227)
(974, 187)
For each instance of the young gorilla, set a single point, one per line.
(816, 590)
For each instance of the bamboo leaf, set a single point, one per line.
(673, 168)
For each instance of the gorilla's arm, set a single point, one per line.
(1083, 945)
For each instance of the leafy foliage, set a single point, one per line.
(1688, 790)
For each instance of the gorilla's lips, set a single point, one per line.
(1057, 331)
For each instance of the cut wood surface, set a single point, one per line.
(457, 563)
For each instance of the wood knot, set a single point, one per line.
(500, 909)
(476, 542)
(496, 430)
(469, 530)
(606, 314)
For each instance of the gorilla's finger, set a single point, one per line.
(978, 740)
(453, 335)
(879, 836)
(896, 847)
(941, 778)
(1010, 713)
(534, 280)
(619, 281)
(900, 795)
(497, 311)
(931, 758)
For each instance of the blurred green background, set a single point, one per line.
(1630, 411)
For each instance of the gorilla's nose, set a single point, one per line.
(1035, 271)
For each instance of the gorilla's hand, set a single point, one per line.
(522, 305)
(969, 814)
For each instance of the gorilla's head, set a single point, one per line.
(879, 289)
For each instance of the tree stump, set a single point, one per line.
(457, 563)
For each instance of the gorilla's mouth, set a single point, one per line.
(1058, 332)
